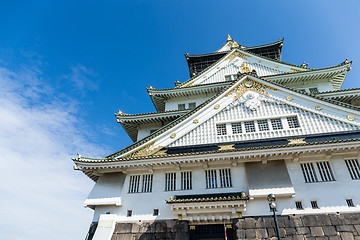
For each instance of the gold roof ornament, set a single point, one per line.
(229, 38)
(235, 44)
(244, 68)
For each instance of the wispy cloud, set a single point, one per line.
(82, 78)
(40, 195)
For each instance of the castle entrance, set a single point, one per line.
(210, 232)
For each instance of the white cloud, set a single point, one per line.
(41, 196)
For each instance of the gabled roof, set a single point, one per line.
(174, 130)
(289, 67)
(335, 74)
(344, 95)
(131, 122)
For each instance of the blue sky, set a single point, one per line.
(67, 66)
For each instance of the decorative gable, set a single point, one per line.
(250, 109)
(240, 61)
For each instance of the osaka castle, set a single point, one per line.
(243, 126)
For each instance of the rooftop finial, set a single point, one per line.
(229, 38)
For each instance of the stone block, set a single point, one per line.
(322, 238)
(240, 233)
(135, 228)
(298, 237)
(266, 222)
(290, 231)
(261, 233)
(334, 238)
(345, 228)
(316, 220)
(357, 227)
(303, 230)
(271, 232)
(346, 236)
(160, 227)
(145, 227)
(249, 223)
(170, 235)
(250, 233)
(329, 231)
(181, 235)
(316, 231)
(123, 228)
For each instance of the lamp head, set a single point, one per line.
(271, 198)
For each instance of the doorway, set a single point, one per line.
(210, 232)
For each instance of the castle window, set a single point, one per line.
(298, 205)
(225, 178)
(249, 126)
(170, 181)
(192, 105)
(263, 125)
(314, 204)
(293, 122)
(147, 183)
(181, 106)
(322, 172)
(353, 168)
(314, 90)
(220, 175)
(156, 212)
(186, 180)
(221, 129)
(236, 128)
(211, 179)
(134, 184)
(350, 202)
(276, 124)
(129, 213)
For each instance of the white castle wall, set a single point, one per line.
(172, 104)
(330, 195)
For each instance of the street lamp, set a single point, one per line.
(272, 204)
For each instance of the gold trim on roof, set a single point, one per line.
(226, 147)
(237, 54)
(249, 85)
(145, 151)
(296, 141)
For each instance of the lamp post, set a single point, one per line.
(272, 204)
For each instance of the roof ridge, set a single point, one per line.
(340, 90)
(159, 112)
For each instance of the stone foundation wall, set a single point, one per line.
(164, 230)
(314, 227)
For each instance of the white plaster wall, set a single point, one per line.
(142, 204)
(322, 85)
(144, 129)
(172, 104)
(108, 186)
(330, 195)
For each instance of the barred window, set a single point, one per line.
(325, 172)
(298, 205)
(353, 168)
(322, 172)
(236, 128)
(263, 125)
(314, 204)
(309, 172)
(134, 184)
(170, 181)
(221, 129)
(192, 105)
(211, 179)
(276, 124)
(293, 122)
(186, 180)
(313, 90)
(350, 202)
(147, 183)
(181, 106)
(129, 213)
(225, 178)
(249, 126)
